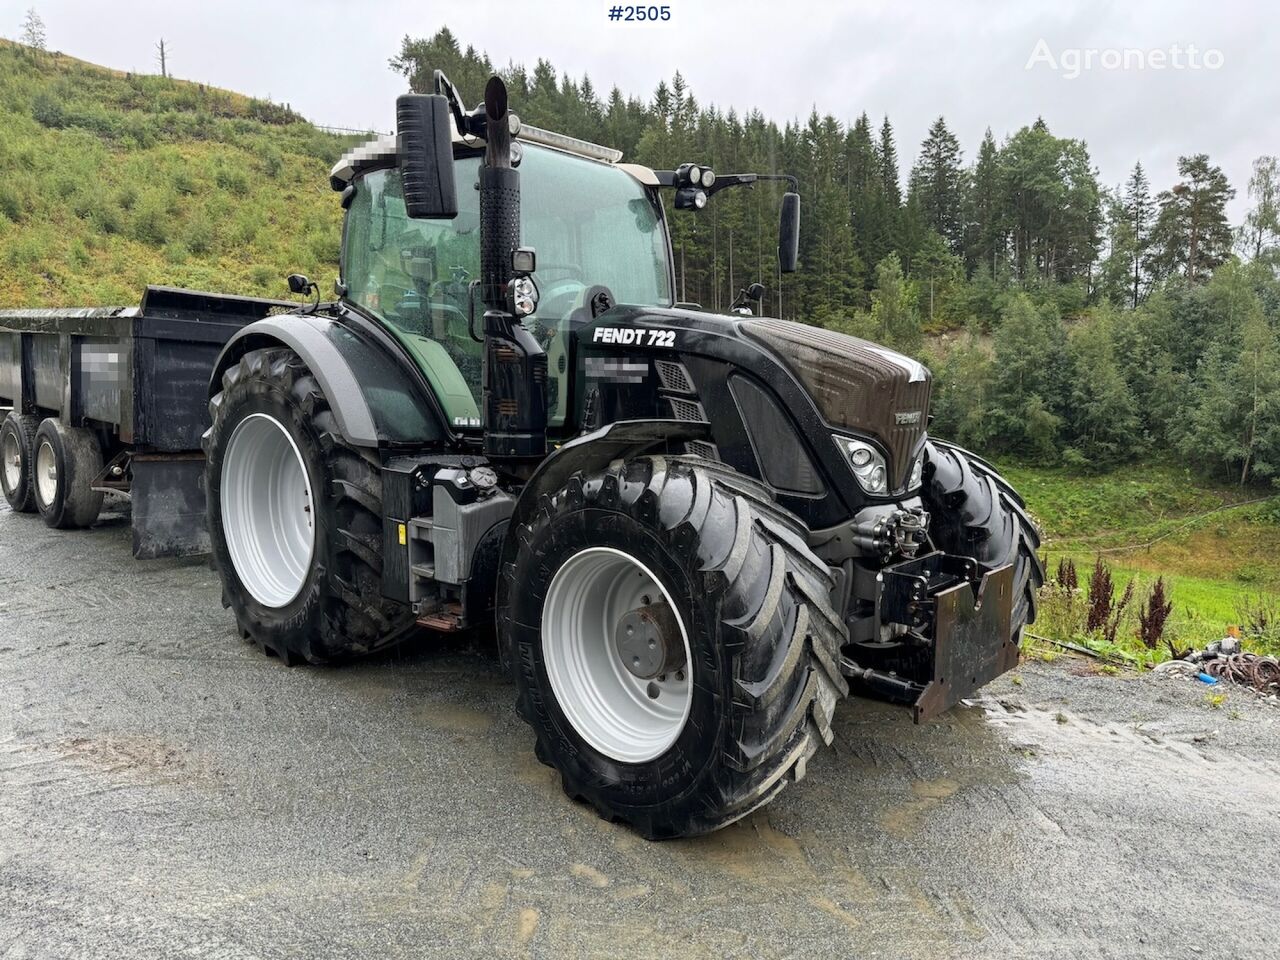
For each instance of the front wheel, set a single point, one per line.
(974, 512)
(673, 642)
(295, 517)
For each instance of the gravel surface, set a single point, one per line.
(165, 791)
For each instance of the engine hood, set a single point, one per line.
(858, 386)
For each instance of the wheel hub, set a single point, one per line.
(12, 462)
(46, 474)
(649, 642)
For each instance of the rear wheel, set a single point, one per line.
(295, 517)
(17, 449)
(64, 464)
(673, 642)
(974, 512)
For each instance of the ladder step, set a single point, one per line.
(425, 570)
(442, 622)
(420, 527)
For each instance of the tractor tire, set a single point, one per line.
(295, 517)
(974, 512)
(761, 643)
(64, 463)
(17, 450)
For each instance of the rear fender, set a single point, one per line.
(371, 396)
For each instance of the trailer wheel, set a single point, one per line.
(295, 517)
(17, 447)
(63, 466)
(974, 512)
(674, 645)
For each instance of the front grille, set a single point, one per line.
(686, 409)
(674, 376)
(700, 448)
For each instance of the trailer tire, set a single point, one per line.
(336, 610)
(17, 448)
(753, 606)
(64, 463)
(974, 512)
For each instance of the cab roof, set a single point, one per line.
(380, 153)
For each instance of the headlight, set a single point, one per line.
(917, 472)
(523, 296)
(867, 464)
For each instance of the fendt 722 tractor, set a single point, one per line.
(694, 532)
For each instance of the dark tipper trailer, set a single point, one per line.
(116, 398)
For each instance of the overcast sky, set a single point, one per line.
(912, 60)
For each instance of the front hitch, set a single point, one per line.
(955, 618)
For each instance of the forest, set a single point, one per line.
(1066, 321)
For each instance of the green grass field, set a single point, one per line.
(1217, 547)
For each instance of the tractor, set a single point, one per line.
(692, 533)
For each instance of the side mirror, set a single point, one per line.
(424, 145)
(298, 283)
(789, 233)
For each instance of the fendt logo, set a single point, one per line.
(907, 419)
(628, 337)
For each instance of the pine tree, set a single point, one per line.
(1191, 235)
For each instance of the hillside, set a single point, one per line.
(113, 181)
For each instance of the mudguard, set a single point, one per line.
(597, 449)
(371, 395)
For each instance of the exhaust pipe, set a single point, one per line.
(515, 365)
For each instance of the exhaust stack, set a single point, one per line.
(515, 365)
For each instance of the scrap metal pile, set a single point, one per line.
(1225, 660)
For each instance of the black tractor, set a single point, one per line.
(694, 533)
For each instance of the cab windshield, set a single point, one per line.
(590, 223)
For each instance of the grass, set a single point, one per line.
(113, 181)
(1217, 550)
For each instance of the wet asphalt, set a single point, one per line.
(165, 791)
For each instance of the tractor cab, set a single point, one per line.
(594, 224)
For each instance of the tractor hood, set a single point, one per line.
(826, 382)
(857, 385)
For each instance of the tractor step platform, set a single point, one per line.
(447, 620)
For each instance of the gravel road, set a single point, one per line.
(165, 791)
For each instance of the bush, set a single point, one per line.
(199, 235)
(152, 221)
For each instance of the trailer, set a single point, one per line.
(116, 399)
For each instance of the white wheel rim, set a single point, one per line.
(46, 473)
(12, 455)
(610, 708)
(268, 514)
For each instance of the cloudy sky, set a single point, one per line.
(966, 61)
